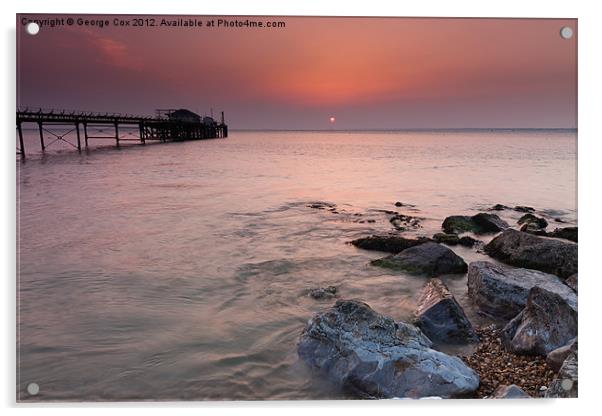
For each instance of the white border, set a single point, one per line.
(590, 132)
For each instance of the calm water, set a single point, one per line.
(180, 271)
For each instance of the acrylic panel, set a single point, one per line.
(295, 208)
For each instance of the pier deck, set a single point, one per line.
(160, 128)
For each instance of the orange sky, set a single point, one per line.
(368, 72)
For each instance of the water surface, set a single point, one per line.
(180, 271)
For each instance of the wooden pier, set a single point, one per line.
(168, 125)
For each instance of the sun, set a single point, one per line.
(332, 119)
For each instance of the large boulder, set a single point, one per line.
(509, 392)
(548, 321)
(370, 355)
(502, 291)
(387, 243)
(429, 259)
(440, 317)
(565, 385)
(480, 224)
(529, 251)
(556, 358)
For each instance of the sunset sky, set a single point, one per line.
(368, 73)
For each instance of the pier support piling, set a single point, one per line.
(79, 143)
(21, 146)
(86, 134)
(117, 133)
(41, 128)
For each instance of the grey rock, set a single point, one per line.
(320, 293)
(387, 243)
(489, 223)
(556, 358)
(548, 321)
(499, 207)
(509, 392)
(429, 259)
(533, 220)
(468, 241)
(481, 223)
(449, 239)
(565, 385)
(525, 250)
(440, 317)
(502, 291)
(522, 208)
(572, 282)
(567, 233)
(372, 356)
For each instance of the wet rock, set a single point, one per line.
(556, 358)
(533, 229)
(565, 385)
(321, 293)
(387, 243)
(499, 207)
(449, 239)
(523, 208)
(525, 250)
(430, 259)
(571, 281)
(533, 220)
(456, 224)
(502, 291)
(372, 356)
(440, 317)
(321, 205)
(468, 241)
(548, 321)
(481, 223)
(567, 233)
(489, 223)
(401, 222)
(509, 392)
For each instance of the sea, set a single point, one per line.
(181, 271)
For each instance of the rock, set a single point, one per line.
(571, 281)
(456, 224)
(372, 356)
(502, 291)
(481, 223)
(525, 250)
(555, 358)
(522, 208)
(533, 220)
(430, 259)
(323, 292)
(322, 205)
(489, 223)
(568, 233)
(449, 239)
(533, 229)
(499, 207)
(441, 318)
(387, 243)
(468, 241)
(566, 383)
(401, 222)
(548, 321)
(398, 204)
(510, 392)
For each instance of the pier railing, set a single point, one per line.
(160, 128)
